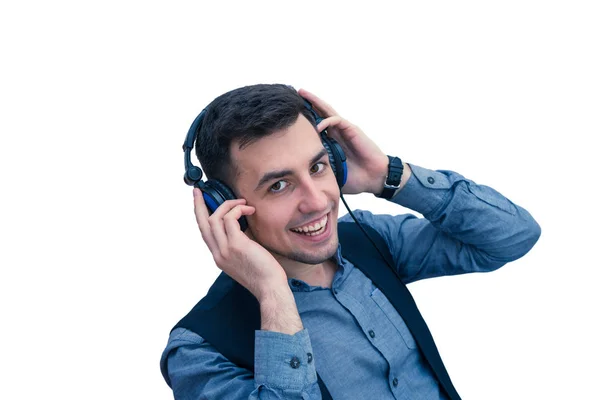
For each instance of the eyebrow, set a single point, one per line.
(269, 176)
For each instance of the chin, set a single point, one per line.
(312, 258)
(306, 256)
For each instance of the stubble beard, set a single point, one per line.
(307, 257)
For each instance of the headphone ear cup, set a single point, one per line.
(337, 159)
(216, 193)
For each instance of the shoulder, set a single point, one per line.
(363, 216)
(384, 224)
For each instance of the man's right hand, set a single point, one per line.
(244, 260)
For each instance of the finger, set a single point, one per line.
(217, 230)
(201, 213)
(226, 230)
(206, 222)
(200, 210)
(199, 206)
(217, 225)
(226, 207)
(322, 107)
(232, 226)
(336, 121)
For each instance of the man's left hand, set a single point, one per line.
(367, 164)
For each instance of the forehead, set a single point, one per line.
(291, 148)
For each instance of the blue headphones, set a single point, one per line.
(216, 192)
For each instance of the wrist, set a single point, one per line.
(379, 179)
(392, 181)
(269, 296)
(279, 313)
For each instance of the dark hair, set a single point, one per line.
(244, 115)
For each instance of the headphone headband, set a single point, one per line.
(193, 131)
(310, 108)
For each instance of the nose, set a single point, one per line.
(313, 198)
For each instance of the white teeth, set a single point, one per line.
(312, 228)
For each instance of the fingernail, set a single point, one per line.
(196, 192)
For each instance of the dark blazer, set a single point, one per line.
(229, 314)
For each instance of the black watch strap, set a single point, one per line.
(394, 176)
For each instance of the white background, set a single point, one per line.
(100, 254)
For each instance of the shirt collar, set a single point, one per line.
(344, 268)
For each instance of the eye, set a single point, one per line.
(318, 167)
(278, 186)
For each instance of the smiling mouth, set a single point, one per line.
(314, 229)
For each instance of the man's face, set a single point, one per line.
(286, 176)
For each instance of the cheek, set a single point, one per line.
(269, 220)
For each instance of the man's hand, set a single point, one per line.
(244, 260)
(367, 164)
(248, 263)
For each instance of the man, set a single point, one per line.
(325, 328)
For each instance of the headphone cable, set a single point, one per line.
(366, 234)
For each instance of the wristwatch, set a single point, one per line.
(392, 181)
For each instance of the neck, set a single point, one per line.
(314, 275)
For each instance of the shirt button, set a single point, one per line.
(395, 382)
(296, 283)
(335, 291)
(372, 333)
(309, 357)
(431, 180)
(295, 363)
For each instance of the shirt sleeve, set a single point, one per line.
(467, 227)
(284, 368)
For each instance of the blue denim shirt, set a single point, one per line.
(352, 335)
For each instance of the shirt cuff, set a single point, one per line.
(425, 191)
(284, 361)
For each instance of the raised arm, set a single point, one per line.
(283, 366)
(467, 227)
